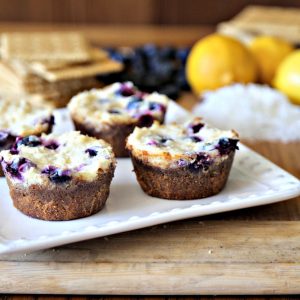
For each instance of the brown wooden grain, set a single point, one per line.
(169, 12)
(210, 257)
(101, 297)
(120, 35)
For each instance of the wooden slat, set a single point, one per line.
(122, 35)
(211, 257)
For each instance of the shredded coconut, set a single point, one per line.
(256, 112)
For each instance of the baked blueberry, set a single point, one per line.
(226, 145)
(3, 137)
(195, 128)
(145, 120)
(114, 111)
(17, 166)
(134, 103)
(195, 139)
(50, 120)
(30, 141)
(57, 175)
(202, 162)
(157, 106)
(51, 144)
(126, 90)
(91, 152)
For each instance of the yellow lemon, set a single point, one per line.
(287, 78)
(219, 60)
(269, 52)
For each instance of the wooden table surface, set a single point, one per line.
(253, 251)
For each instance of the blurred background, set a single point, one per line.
(150, 12)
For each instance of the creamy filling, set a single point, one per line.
(21, 119)
(56, 158)
(118, 103)
(182, 145)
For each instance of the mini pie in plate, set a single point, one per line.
(59, 177)
(181, 162)
(113, 112)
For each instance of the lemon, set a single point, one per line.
(269, 52)
(219, 60)
(287, 78)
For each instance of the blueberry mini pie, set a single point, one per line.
(22, 119)
(59, 177)
(113, 112)
(180, 162)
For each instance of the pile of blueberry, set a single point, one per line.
(151, 68)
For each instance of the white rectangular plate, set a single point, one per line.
(253, 181)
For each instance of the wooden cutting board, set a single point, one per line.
(250, 251)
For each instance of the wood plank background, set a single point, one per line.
(153, 12)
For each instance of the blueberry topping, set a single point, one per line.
(14, 150)
(159, 141)
(48, 170)
(134, 104)
(57, 175)
(18, 166)
(3, 137)
(227, 145)
(163, 139)
(145, 121)
(30, 141)
(196, 127)
(50, 121)
(202, 162)
(91, 152)
(195, 139)
(114, 111)
(126, 91)
(13, 168)
(153, 143)
(52, 145)
(182, 163)
(157, 106)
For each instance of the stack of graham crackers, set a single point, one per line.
(283, 22)
(49, 68)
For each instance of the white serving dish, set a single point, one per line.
(253, 181)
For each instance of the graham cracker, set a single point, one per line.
(60, 86)
(61, 99)
(253, 20)
(96, 54)
(36, 46)
(81, 71)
